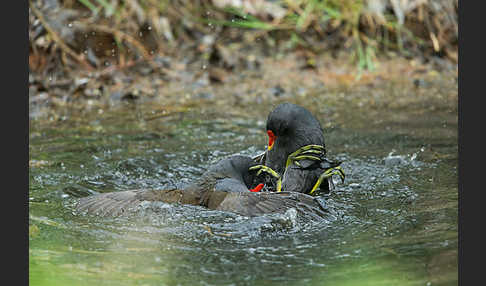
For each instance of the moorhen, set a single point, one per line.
(295, 157)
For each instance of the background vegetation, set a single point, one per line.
(94, 34)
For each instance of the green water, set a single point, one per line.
(391, 224)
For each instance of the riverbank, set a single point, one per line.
(82, 54)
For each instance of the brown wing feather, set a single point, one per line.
(109, 204)
(116, 203)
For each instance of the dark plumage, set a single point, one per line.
(226, 185)
(295, 127)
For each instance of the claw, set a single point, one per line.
(263, 168)
(340, 172)
(303, 153)
(312, 146)
(266, 169)
(327, 174)
(311, 151)
(301, 157)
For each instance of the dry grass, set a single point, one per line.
(123, 31)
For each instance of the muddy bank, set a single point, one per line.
(271, 80)
(83, 53)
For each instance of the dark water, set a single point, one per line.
(393, 222)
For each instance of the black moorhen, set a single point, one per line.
(296, 152)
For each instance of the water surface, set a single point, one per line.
(393, 222)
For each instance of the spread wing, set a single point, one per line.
(109, 204)
(255, 204)
(117, 203)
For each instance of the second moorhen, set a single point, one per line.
(225, 186)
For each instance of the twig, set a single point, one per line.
(218, 234)
(55, 37)
(208, 229)
(132, 63)
(121, 66)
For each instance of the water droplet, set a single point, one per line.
(413, 157)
